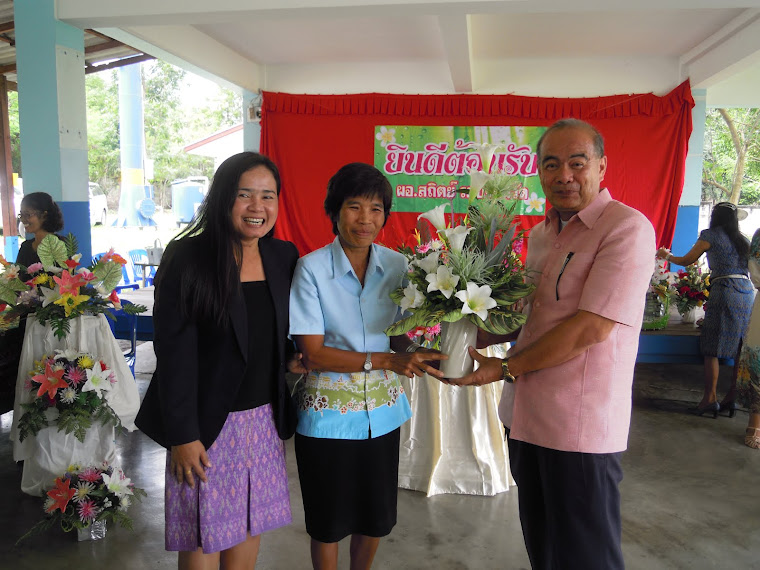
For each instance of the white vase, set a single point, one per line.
(689, 316)
(455, 338)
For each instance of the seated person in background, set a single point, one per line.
(41, 216)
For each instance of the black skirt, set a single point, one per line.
(348, 486)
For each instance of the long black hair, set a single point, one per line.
(724, 215)
(43, 203)
(207, 286)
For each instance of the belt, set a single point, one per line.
(732, 276)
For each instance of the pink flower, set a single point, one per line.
(424, 248)
(87, 510)
(75, 375)
(90, 474)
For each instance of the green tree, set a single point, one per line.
(165, 129)
(103, 150)
(731, 170)
(14, 132)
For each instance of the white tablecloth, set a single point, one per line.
(454, 442)
(49, 454)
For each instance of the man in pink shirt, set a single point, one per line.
(568, 411)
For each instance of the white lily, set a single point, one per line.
(478, 179)
(429, 263)
(486, 152)
(50, 296)
(68, 354)
(413, 297)
(442, 280)
(456, 237)
(118, 484)
(436, 216)
(476, 300)
(97, 381)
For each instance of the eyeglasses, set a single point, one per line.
(27, 215)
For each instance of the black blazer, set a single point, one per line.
(200, 365)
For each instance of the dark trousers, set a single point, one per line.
(569, 507)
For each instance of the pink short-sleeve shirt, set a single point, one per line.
(601, 262)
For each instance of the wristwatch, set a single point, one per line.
(505, 374)
(368, 362)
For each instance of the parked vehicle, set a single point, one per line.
(98, 205)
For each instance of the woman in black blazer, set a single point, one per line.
(218, 399)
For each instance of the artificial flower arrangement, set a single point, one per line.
(659, 285)
(429, 337)
(657, 306)
(59, 289)
(472, 270)
(690, 288)
(71, 391)
(88, 494)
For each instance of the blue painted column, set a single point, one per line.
(686, 232)
(136, 206)
(53, 113)
(251, 129)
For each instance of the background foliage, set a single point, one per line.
(731, 169)
(171, 123)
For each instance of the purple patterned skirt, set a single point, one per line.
(246, 493)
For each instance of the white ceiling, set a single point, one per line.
(549, 48)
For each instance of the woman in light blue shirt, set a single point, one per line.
(351, 404)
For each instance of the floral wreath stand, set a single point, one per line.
(49, 454)
(454, 442)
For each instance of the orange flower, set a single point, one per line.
(61, 495)
(50, 381)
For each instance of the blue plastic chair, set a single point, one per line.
(141, 256)
(125, 327)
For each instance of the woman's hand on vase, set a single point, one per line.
(189, 460)
(663, 253)
(423, 361)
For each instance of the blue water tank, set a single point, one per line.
(187, 195)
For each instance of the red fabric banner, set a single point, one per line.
(310, 137)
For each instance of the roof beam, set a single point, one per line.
(730, 50)
(231, 70)
(457, 42)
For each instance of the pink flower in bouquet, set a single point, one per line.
(75, 375)
(424, 248)
(34, 268)
(87, 510)
(91, 475)
(69, 283)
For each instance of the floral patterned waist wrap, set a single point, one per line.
(350, 405)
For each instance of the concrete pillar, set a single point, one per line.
(53, 113)
(687, 222)
(251, 126)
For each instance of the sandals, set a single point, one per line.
(752, 438)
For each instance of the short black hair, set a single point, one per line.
(352, 180)
(570, 123)
(43, 202)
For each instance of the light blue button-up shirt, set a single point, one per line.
(327, 298)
